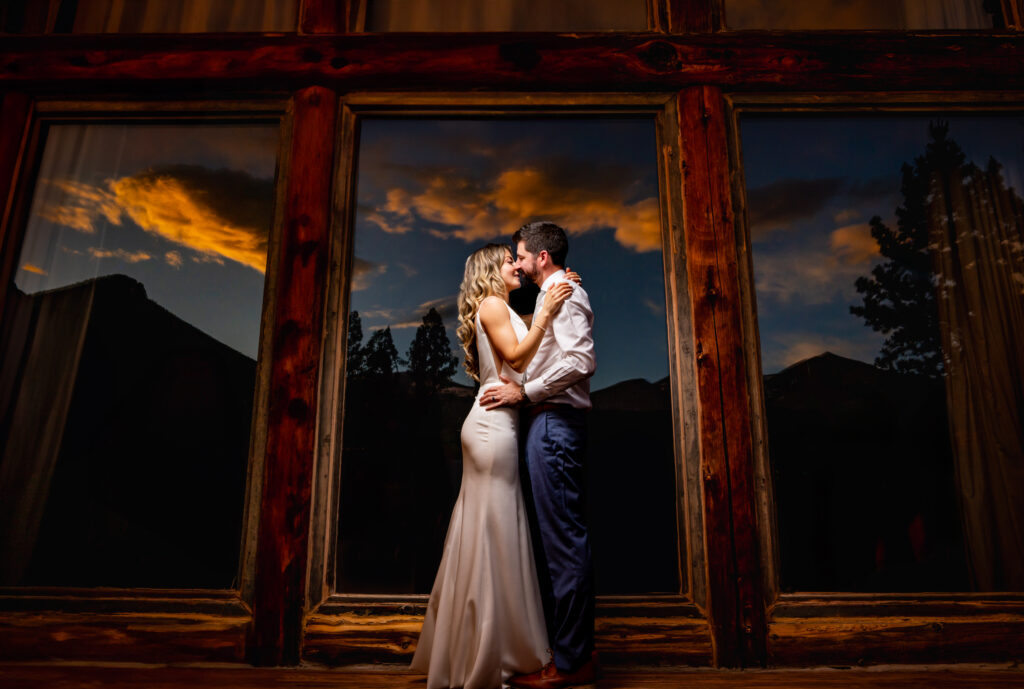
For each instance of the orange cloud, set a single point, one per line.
(219, 214)
(364, 271)
(126, 256)
(32, 268)
(166, 207)
(854, 244)
(477, 212)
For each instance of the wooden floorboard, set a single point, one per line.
(138, 676)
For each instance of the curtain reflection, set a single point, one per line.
(977, 237)
(860, 14)
(129, 339)
(183, 16)
(506, 15)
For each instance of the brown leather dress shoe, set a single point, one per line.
(550, 677)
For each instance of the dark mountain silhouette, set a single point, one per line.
(409, 450)
(149, 482)
(863, 478)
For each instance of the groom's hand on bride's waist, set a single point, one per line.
(508, 395)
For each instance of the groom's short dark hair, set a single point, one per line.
(544, 236)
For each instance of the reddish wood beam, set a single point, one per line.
(15, 115)
(15, 120)
(822, 61)
(735, 598)
(283, 540)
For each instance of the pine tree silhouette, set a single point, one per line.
(430, 357)
(380, 355)
(899, 296)
(355, 363)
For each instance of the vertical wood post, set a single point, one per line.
(735, 599)
(283, 540)
(332, 16)
(692, 16)
(15, 118)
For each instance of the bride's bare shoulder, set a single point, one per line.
(492, 309)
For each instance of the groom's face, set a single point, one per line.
(526, 263)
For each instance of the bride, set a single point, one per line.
(484, 621)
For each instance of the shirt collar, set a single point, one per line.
(557, 276)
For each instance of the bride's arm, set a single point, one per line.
(498, 325)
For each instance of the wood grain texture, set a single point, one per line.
(153, 637)
(896, 639)
(629, 631)
(282, 550)
(880, 61)
(357, 637)
(56, 676)
(734, 586)
(15, 135)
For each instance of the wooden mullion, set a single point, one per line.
(736, 398)
(17, 138)
(283, 540)
(735, 604)
(332, 16)
(693, 16)
(1013, 14)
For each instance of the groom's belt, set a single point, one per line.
(535, 409)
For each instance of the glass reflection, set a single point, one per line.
(863, 14)
(429, 193)
(890, 309)
(131, 335)
(176, 16)
(506, 15)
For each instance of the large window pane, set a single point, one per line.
(506, 15)
(889, 270)
(131, 334)
(863, 14)
(430, 192)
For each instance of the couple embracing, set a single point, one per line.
(505, 608)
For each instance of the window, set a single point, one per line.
(131, 335)
(888, 265)
(430, 192)
(506, 15)
(863, 14)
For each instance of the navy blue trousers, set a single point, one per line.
(555, 451)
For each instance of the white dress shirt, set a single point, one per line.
(560, 370)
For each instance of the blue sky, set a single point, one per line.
(813, 183)
(185, 210)
(432, 191)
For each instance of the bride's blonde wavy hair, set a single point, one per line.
(481, 280)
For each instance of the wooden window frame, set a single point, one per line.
(686, 52)
(646, 628)
(207, 624)
(806, 628)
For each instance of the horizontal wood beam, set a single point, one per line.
(637, 632)
(895, 639)
(140, 637)
(820, 61)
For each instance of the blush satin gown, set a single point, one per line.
(485, 621)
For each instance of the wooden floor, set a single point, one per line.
(138, 676)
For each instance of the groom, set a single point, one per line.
(557, 392)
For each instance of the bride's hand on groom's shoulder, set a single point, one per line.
(571, 274)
